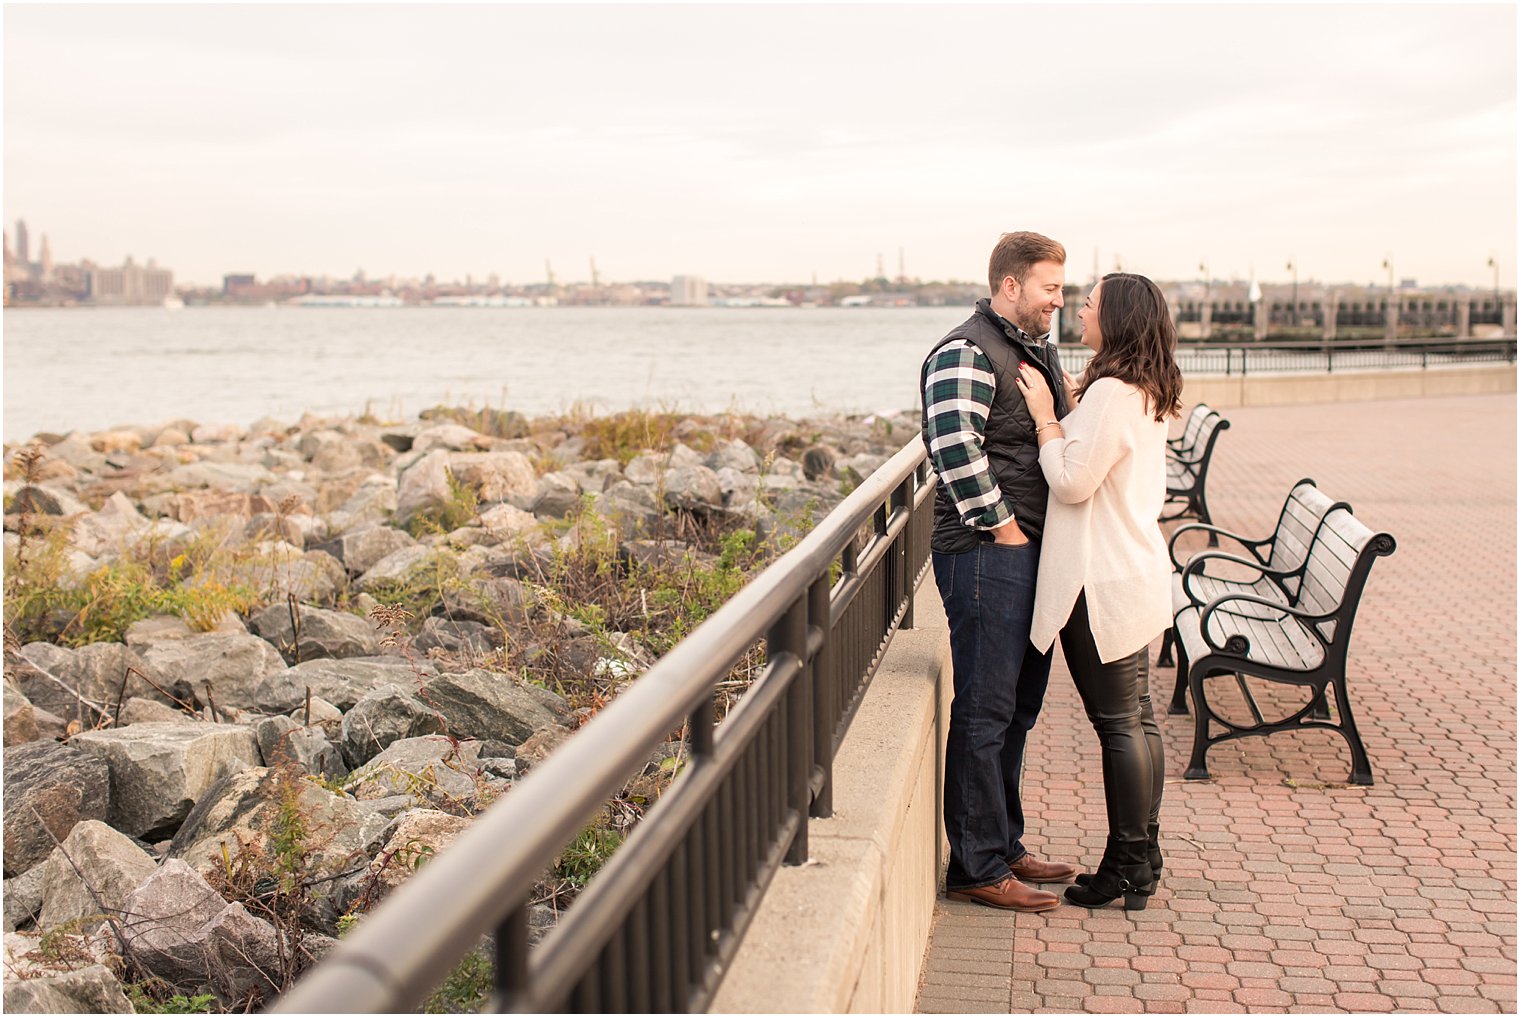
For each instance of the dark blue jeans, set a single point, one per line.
(999, 686)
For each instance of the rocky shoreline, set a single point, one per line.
(256, 676)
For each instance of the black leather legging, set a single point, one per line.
(1117, 698)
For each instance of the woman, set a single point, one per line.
(1104, 575)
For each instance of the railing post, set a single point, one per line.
(825, 685)
(511, 977)
(789, 637)
(902, 498)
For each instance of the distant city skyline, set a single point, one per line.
(759, 144)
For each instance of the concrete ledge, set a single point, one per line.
(847, 932)
(1223, 392)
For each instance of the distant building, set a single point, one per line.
(131, 284)
(23, 245)
(688, 291)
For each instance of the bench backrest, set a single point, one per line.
(1336, 570)
(1305, 508)
(1189, 435)
(1194, 461)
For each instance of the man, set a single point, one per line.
(988, 515)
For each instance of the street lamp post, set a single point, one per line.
(1206, 313)
(1390, 309)
(1294, 269)
(1493, 263)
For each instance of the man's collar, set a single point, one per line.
(1009, 328)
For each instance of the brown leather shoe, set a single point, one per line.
(1031, 870)
(1010, 895)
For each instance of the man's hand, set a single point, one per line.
(1010, 534)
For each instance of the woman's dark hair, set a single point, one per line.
(1139, 343)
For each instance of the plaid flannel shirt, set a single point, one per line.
(958, 388)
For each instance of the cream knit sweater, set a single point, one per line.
(1107, 484)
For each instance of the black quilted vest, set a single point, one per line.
(1010, 439)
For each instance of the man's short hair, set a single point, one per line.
(1016, 253)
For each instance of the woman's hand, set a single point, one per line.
(1071, 387)
(1037, 397)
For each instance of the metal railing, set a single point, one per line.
(654, 930)
(1318, 356)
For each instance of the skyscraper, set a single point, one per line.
(23, 246)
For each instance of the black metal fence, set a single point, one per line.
(655, 928)
(1319, 357)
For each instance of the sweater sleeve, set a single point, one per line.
(1096, 437)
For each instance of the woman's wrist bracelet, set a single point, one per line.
(1048, 423)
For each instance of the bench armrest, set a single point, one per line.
(1238, 644)
(1246, 542)
(1196, 565)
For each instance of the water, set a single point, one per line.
(96, 368)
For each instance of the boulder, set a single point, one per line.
(491, 601)
(231, 663)
(459, 638)
(243, 814)
(738, 488)
(359, 550)
(49, 789)
(158, 771)
(693, 488)
(286, 741)
(22, 898)
(419, 836)
(228, 477)
(89, 989)
(424, 486)
(148, 711)
(485, 704)
(90, 876)
(340, 682)
(496, 476)
(631, 506)
(46, 500)
(324, 714)
(20, 718)
(217, 434)
(592, 476)
(734, 455)
(396, 567)
(435, 771)
(454, 437)
(111, 530)
(557, 496)
(186, 934)
(332, 634)
(504, 522)
(386, 715)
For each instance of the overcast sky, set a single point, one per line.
(765, 143)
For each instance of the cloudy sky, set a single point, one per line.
(765, 143)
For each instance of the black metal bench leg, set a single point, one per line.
(1178, 706)
(1164, 656)
(1361, 766)
(1198, 767)
(1320, 709)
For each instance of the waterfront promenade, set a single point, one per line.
(1285, 889)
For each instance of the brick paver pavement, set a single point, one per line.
(1285, 889)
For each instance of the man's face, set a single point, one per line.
(1036, 299)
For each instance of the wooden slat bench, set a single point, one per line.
(1303, 642)
(1187, 466)
(1280, 555)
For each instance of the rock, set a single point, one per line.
(90, 989)
(593, 476)
(323, 713)
(557, 496)
(22, 898)
(84, 683)
(738, 488)
(459, 638)
(629, 505)
(386, 715)
(396, 567)
(506, 521)
(485, 704)
(419, 836)
(220, 477)
(332, 634)
(243, 813)
(359, 550)
(285, 741)
(693, 488)
(170, 437)
(455, 437)
(373, 501)
(58, 784)
(158, 771)
(232, 663)
(537, 747)
(112, 866)
(148, 711)
(185, 933)
(340, 682)
(217, 434)
(20, 718)
(818, 462)
(115, 527)
(424, 486)
(496, 476)
(734, 455)
(50, 501)
(437, 772)
(497, 602)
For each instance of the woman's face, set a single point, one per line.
(1092, 336)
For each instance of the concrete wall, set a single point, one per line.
(1353, 386)
(847, 932)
